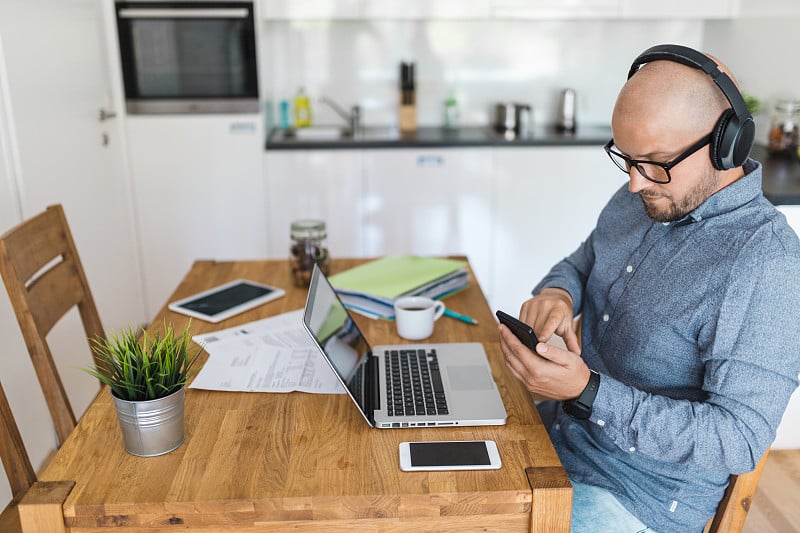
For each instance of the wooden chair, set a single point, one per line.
(735, 504)
(16, 463)
(45, 280)
(22, 478)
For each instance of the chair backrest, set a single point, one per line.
(16, 463)
(45, 280)
(732, 509)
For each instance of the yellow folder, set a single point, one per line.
(395, 275)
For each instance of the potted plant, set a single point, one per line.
(146, 376)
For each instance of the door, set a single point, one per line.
(55, 80)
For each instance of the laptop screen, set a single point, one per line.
(337, 335)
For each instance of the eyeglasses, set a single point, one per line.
(652, 170)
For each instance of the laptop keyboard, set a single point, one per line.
(414, 383)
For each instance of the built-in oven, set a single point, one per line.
(188, 57)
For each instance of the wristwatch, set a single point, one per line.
(581, 407)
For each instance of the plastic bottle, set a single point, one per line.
(451, 111)
(284, 118)
(302, 110)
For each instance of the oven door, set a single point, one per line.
(188, 57)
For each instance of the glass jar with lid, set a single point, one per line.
(307, 249)
(784, 130)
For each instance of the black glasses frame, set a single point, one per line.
(635, 163)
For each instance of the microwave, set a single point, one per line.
(188, 57)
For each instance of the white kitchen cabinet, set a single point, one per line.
(768, 8)
(546, 202)
(555, 9)
(707, 9)
(310, 9)
(375, 9)
(427, 9)
(430, 202)
(315, 184)
(788, 434)
(198, 194)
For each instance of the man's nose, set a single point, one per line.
(636, 182)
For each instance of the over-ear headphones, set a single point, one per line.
(734, 132)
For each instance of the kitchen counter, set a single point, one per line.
(781, 173)
(781, 176)
(431, 137)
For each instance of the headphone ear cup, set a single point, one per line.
(721, 140)
(731, 140)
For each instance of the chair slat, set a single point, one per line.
(54, 294)
(35, 243)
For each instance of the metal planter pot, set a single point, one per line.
(152, 427)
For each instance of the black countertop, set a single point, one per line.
(428, 137)
(781, 176)
(781, 172)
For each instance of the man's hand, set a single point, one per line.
(550, 312)
(551, 372)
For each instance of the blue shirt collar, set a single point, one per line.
(731, 197)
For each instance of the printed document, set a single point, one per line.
(270, 355)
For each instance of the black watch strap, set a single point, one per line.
(581, 407)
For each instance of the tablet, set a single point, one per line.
(224, 301)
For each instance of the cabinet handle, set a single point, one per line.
(430, 161)
(242, 127)
(105, 114)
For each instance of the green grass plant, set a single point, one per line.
(144, 367)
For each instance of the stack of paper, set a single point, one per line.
(370, 289)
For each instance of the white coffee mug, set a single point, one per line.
(415, 316)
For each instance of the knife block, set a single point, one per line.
(408, 116)
(408, 98)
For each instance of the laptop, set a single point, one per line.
(452, 383)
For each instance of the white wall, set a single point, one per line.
(14, 373)
(761, 51)
(53, 81)
(484, 61)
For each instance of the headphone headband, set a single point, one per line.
(692, 58)
(734, 132)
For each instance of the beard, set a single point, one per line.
(677, 208)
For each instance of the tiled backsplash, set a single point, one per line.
(484, 62)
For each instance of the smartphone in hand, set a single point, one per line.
(522, 330)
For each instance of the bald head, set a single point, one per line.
(673, 98)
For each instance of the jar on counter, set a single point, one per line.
(784, 132)
(307, 249)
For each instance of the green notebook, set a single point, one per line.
(395, 275)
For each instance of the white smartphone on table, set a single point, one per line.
(226, 300)
(449, 455)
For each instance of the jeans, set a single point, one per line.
(597, 510)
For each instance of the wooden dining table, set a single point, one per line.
(300, 461)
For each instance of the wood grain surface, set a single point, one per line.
(303, 462)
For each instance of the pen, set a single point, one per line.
(462, 318)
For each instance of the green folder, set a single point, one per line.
(395, 275)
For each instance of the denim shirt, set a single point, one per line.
(694, 327)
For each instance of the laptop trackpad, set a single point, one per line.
(469, 378)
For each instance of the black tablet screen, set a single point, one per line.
(211, 304)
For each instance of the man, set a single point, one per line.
(689, 291)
